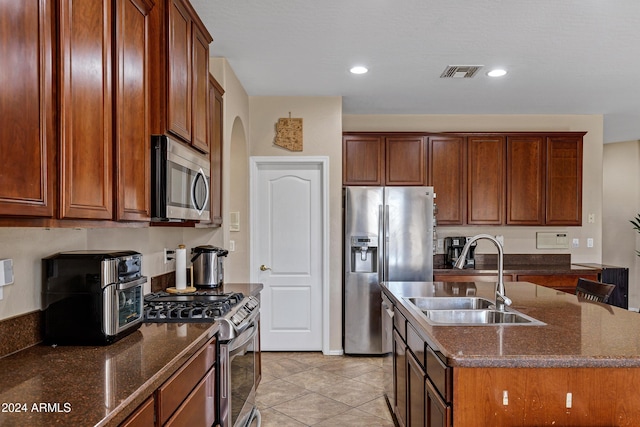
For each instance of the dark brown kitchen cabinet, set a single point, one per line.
(405, 160)
(400, 378)
(416, 392)
(362, 160)
(188, 397)
(216, 126)
(180, 49)
(526, 158)
(132, 110)
(86, 88)
(438, 413)
(144, 416)
(564, 180)
(27, 109)
(383, 159)
(485, 179)
(447, 175)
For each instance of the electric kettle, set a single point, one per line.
(208, 270)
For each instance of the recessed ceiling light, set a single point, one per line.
(497, 73)
(359, 70)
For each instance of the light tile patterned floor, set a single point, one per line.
(311, 389)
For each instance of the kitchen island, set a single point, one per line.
(581, 367)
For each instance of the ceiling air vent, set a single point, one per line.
(460, 71)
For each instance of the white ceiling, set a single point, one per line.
(563, 56)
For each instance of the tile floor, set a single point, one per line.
(311, 389)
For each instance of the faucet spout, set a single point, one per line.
(501, 296)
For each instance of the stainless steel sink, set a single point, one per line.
(478, 317)
(467, 311)
(450, 303)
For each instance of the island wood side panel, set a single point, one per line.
(538, 396)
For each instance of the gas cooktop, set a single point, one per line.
(233, 310)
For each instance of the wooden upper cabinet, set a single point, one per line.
(179, 91)
(362, 160)
(132, 111)
(27, 108)
(525, 180)
(486, 179)
(383, 159)
(447, 175)
(405, 160)
(216, 119)
(86, 83)
(564, 180)
(200, 111)
(180, 73)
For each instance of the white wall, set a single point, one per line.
(27, 247)
(516, 239)
(621, 203)
(322, 136)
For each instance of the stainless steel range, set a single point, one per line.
(238, 337)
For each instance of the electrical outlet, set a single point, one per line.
(232, 245)
(589, 242)
(500, 238)
(575, 243)
(168, 255)
(591, 218)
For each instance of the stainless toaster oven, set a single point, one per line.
(92, 297)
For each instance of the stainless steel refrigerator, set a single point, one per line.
(388, 236)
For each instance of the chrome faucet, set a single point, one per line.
(501, 297)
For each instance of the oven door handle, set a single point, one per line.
(243, 340)
(131, 284)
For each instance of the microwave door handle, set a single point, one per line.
(193, 191)
(131, 284)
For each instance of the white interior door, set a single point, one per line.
(287, 253)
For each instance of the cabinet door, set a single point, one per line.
(447, 175)
(143, 416)
(416, 396)
(200, 86)
(132, 135)
(27, 132)
(564, 180)
(216, 132)
(525, 180)
(486, 179)
(199, 408)
(179, 89)
(405, 160)
(362, 160)
(86, 145)
(438, 413)
(400, 378)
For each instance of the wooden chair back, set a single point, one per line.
(591, 290)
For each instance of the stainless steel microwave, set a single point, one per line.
(180, 181)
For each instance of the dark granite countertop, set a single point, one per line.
(98, 385)
(576, 334)
(94, 386)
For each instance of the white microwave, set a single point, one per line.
(180, 181)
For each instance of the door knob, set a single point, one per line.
(264, 268)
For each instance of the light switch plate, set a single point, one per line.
(548, 240)
(6, 272)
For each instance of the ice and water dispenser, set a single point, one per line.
(364, 254)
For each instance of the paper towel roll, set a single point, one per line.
(181, 268)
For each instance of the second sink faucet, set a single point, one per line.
(501, 297)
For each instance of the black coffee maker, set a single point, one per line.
(453, 248)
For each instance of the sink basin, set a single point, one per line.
(478, 317)
(450, 303)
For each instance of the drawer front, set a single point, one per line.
(440, 375)
(199, 408)
(417, 345)
(400, 324)
(141, 417)
(176, 389)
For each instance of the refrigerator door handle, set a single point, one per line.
(381, 247)
(386, 242)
